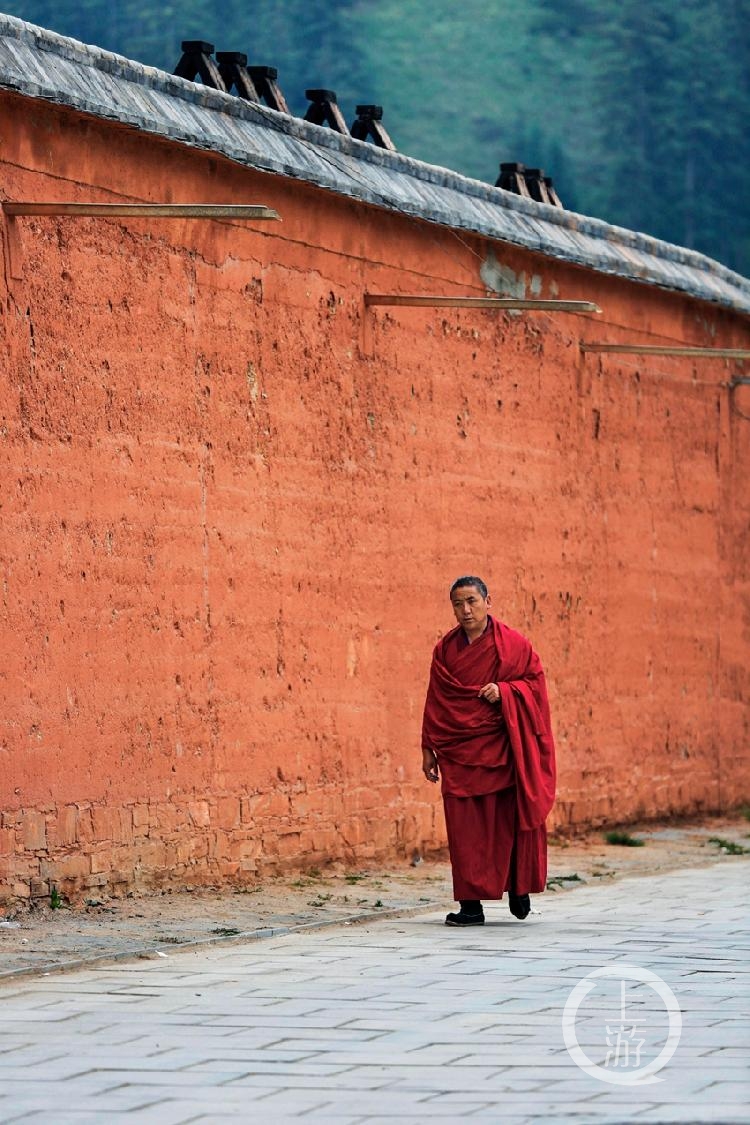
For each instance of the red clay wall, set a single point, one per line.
(231, 509)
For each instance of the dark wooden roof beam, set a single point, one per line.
(196, 62)
(235, 75)
(368, 126)
(324, 110)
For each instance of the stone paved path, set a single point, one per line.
(404, 1020)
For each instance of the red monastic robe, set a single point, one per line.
(497, 761)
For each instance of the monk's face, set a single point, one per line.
(471, 609)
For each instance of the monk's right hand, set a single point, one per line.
(429, 765)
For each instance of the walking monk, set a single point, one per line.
(487, 734)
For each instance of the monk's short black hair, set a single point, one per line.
(470, 580)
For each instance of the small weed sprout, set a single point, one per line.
(556, 881)
(321, 900)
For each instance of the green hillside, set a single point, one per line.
(638, 111)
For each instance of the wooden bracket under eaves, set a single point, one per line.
(422, 300)
(12, 211)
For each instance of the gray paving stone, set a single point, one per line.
(329, 1025)
(724, 1113)
(174, 1111)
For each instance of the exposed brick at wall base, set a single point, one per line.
(81, 849)
(233, 501)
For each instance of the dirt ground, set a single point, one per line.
(43, 939)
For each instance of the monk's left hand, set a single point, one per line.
(490, 692)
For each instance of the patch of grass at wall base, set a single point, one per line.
(623, 839)
(728, 846)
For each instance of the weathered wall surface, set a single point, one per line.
(233, 501)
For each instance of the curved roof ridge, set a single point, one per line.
(42, 64)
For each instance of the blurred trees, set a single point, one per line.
(668, 92)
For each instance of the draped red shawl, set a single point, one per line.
(457, 722)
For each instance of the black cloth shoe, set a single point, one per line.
(520, 905)
(465, 918)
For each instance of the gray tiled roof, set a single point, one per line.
(41, 64)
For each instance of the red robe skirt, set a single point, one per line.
(496, 761)
(489, 853)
